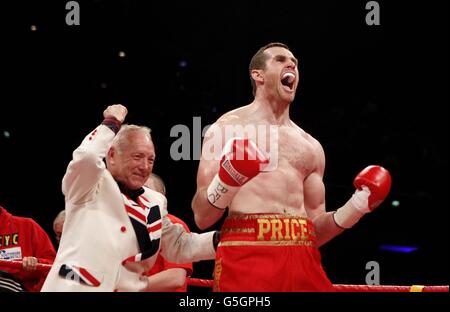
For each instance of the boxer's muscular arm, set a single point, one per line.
(240, 161)
(314, 198)
(314, 192)
(206, 214)
(372, 186)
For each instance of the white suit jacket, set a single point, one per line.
(98, 234)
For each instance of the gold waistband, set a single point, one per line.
(267, 229)
(308, 243)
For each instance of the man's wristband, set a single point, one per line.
(112, 123)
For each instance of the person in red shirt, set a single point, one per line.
(23, 239)
(165, 275)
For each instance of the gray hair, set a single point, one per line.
(121, 137)
(59, 218)
(158, 183)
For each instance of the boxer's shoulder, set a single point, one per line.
(303, 135)
(237, 115)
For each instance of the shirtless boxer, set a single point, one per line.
(277, 217)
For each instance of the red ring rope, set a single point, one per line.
(349, 288)
(44, 268)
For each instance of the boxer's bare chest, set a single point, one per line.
(296, 151)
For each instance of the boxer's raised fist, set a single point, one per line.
(373, 185)
(117, 111)
(241, 161)
(378, 181)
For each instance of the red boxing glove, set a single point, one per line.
(373, 185)
(378, 181)
(241, 161)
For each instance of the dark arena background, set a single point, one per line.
(370, 94)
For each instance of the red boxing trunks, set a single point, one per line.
(268, 252)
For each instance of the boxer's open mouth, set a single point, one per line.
(287, 80)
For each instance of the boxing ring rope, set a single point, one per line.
(348, 288)
(198, 282)
(388, 288)
(17, 264)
